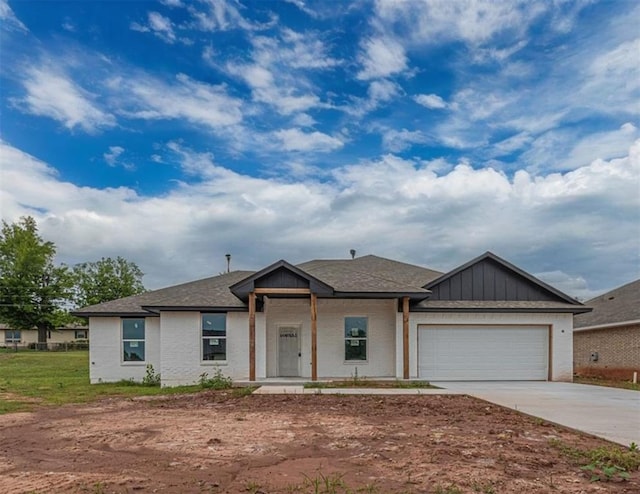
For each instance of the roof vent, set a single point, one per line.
(228, 256)
(353, 253)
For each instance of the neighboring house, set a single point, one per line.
(24, 338)
(369, 316)
(606, 342)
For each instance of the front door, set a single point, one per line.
(288, 351)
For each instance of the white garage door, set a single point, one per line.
(481, 353)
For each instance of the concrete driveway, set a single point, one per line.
(610, 413)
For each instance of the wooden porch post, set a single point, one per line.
(252, 336)
(314, 337)
(405, 337)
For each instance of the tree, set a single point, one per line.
(33, 292)
(106, 279)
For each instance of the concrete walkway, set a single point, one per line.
(299, 389)
(610, 413)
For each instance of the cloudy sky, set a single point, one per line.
(174, 132)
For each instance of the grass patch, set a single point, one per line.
(604, 463)
(611, 383)
(364, 383)
(30, 378)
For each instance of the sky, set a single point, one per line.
(173, 132)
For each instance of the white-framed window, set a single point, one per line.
(214, 337)
(133, 339)
(12, 336)
(355, 338)
(80, 334)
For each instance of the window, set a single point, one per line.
(214, 337)
(355, 338)
(12, 336)
(81, 334)
(133, 340)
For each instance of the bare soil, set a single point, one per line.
(218, 442)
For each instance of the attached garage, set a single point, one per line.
(483, 353)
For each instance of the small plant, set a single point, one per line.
(605, 463)
(151, 378)
(483, 488)
(253, 487)
(450, 489)
(355, 380)
(601, 472)
(243, 391)
(325, 484)
(633, 447)
(218, 381)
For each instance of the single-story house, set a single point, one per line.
(366, 316)
(24, 338)
(606, 342)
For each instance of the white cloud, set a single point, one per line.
(399, 140)
(380, 92)
(473, 21)
(111, 157)
(9, 19)
(431, 101)
(277, 72)
(389, 206)
(159, 25)
(197, 102)
(223, 15)
(381, 57)
(297, 140)
(52, 93)
(564, 150)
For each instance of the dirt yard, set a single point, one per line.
(216, 442)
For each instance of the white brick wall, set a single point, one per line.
(181, 348)
(177, 354)
(105, 350)
(331, 314)
(561, 330)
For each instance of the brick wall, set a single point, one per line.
(617, 348)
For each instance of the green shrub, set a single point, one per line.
(218, 381)
(151, 378)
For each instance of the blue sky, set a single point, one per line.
(174, 132)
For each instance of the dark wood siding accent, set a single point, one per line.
(489, 280)
(281, 278)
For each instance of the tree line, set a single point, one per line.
(37, 293)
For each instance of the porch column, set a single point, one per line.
(405, 337)
(314, 337)
(252, 336)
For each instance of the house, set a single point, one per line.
(72, 333)
(606, 342)
(367, 316)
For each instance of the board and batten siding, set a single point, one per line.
(560, 344)
(381, 315)
(105, 350)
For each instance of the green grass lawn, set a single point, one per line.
(30, 378)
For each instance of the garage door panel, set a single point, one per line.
(483, 353)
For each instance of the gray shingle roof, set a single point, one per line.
(208, 292)
(370, 274)
(499, 305)
(617, 306)
(363, 275)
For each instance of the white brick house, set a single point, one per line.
(374, 317)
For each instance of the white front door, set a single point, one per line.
(288, 351)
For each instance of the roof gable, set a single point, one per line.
(280, 274)
(488, 277)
